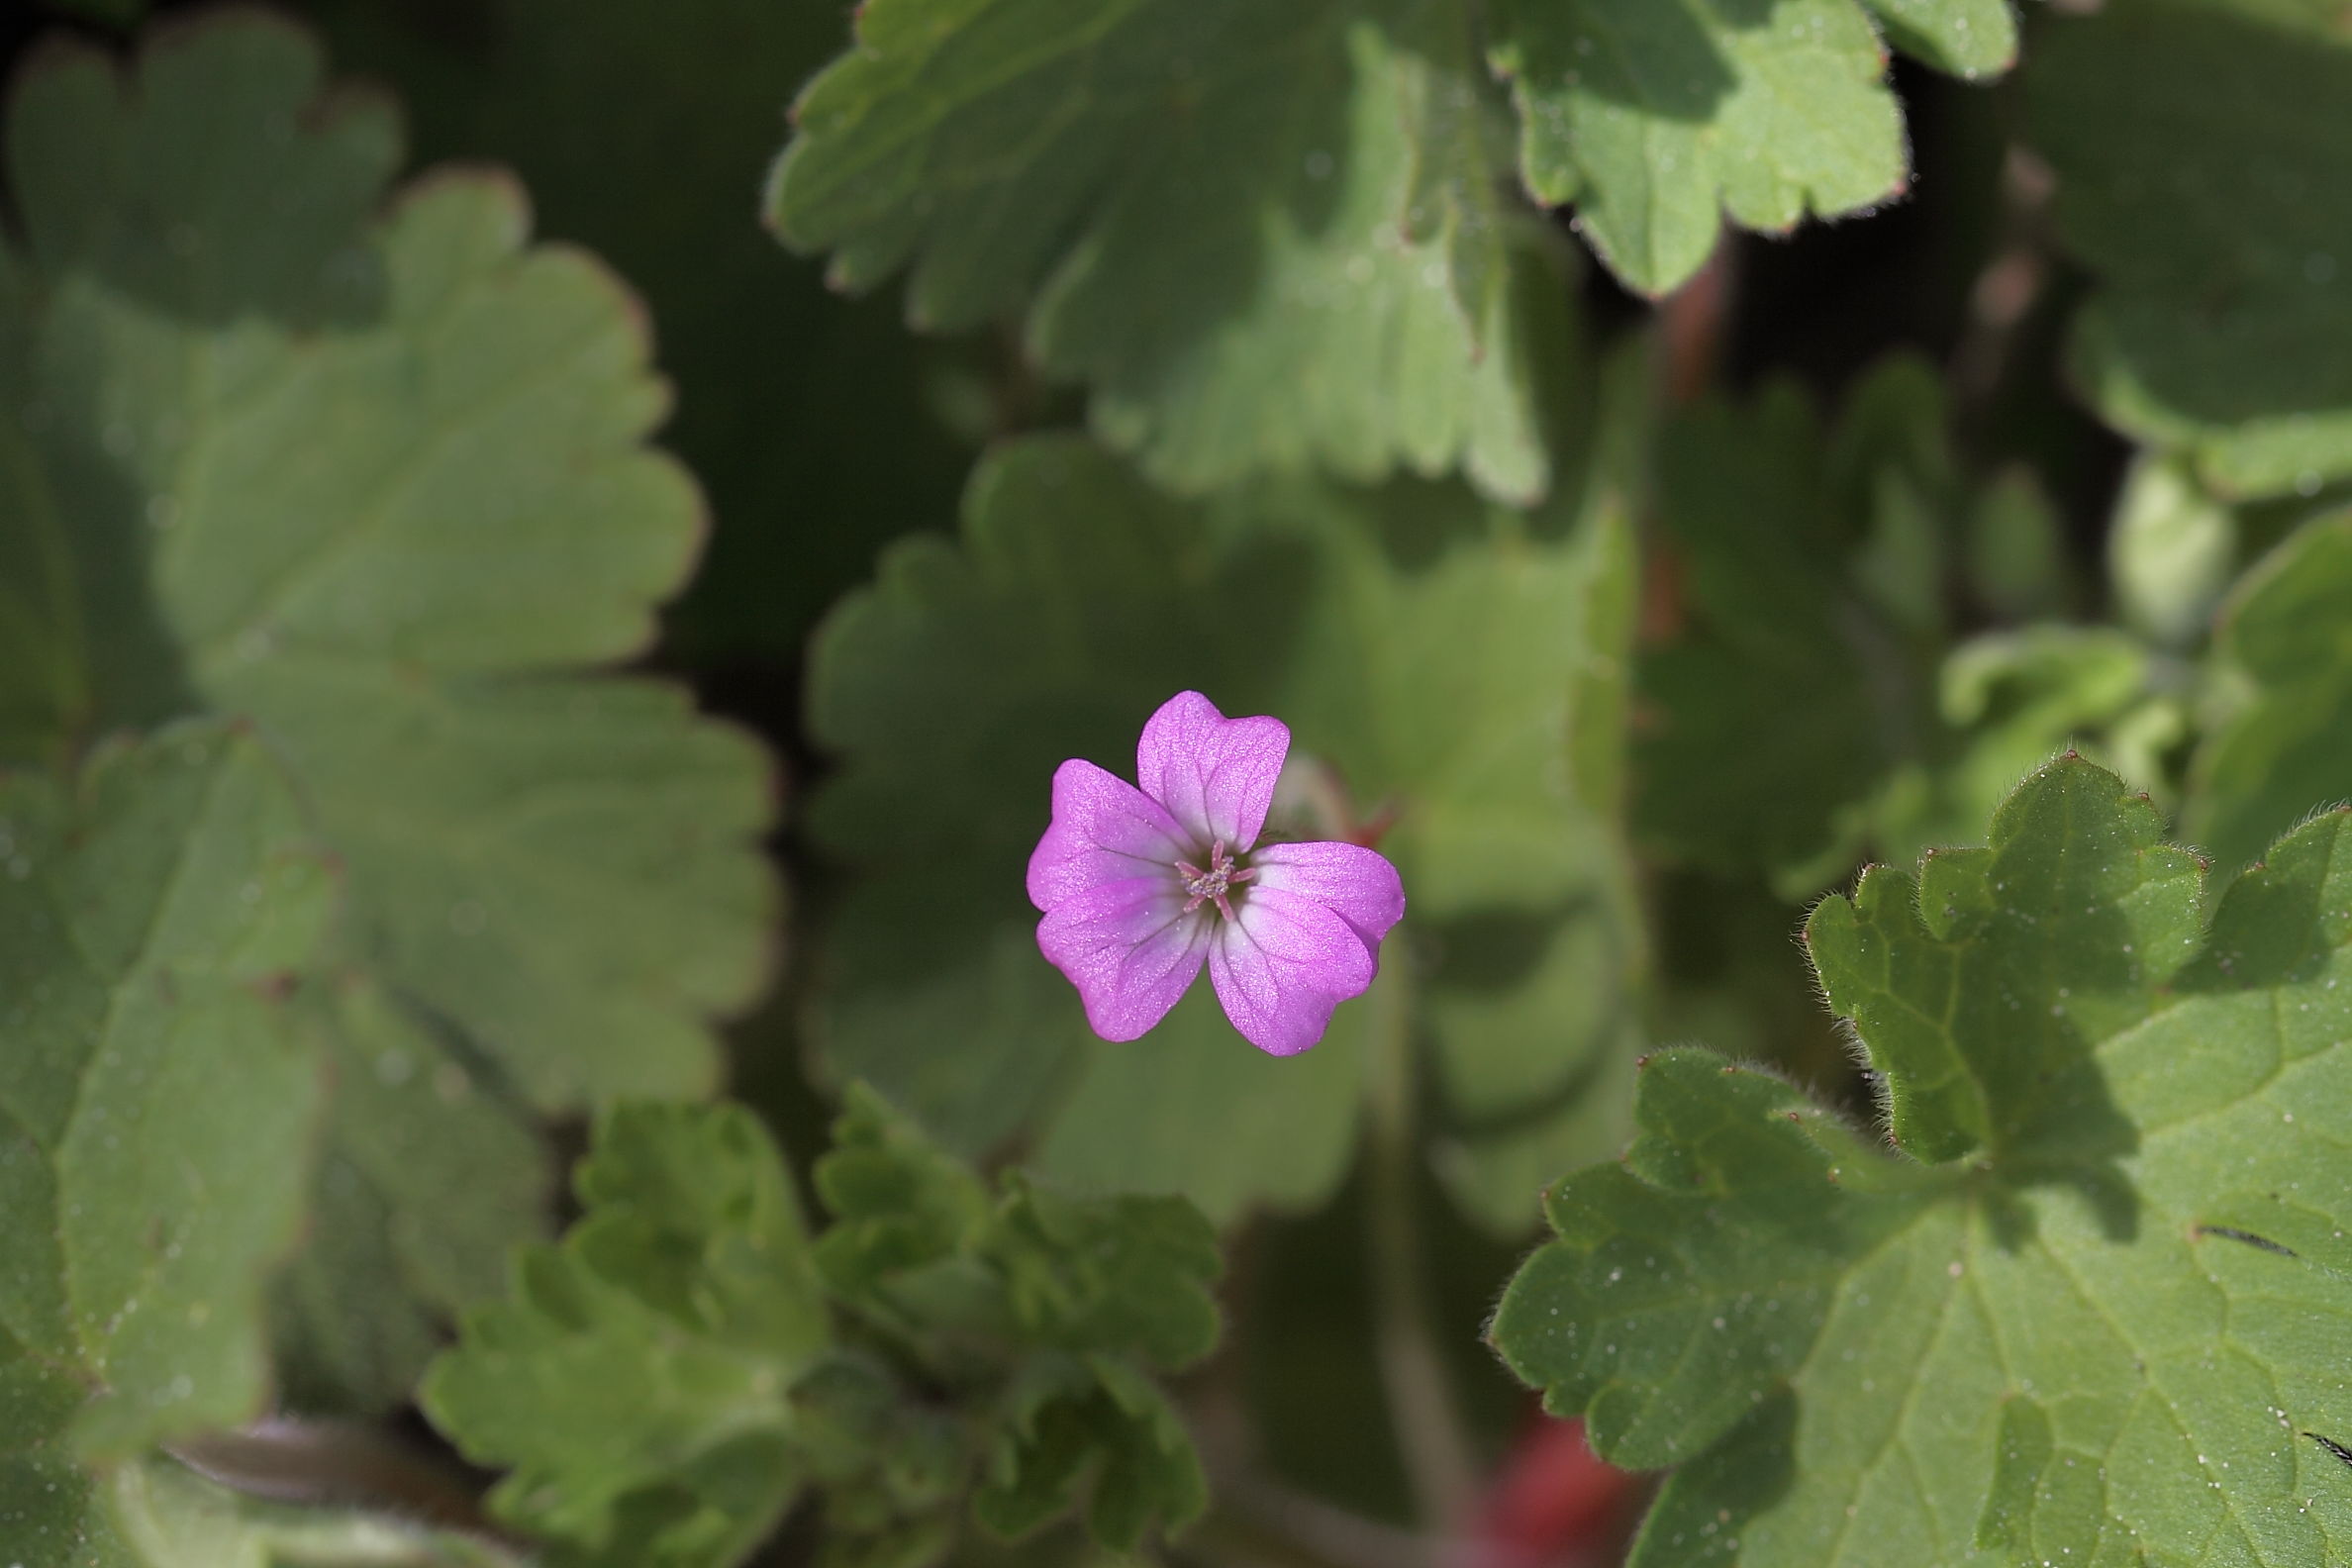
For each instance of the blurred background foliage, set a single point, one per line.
(1653, 591)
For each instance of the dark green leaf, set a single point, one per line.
(2203, 151)
(1813, 708)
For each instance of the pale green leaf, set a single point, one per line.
(2204, 152)
(637, 1380)
(159, 1085)
(383, 489)
(1265, 237)
(2284, 747)
(1656, 117)
(1460, 664)
(2105, 1329)
(2170, 551)
(377, 481)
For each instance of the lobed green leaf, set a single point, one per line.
(1264, 236)
(2091, 1321)
(638, 1382)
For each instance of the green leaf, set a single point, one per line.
(1811, 708)
(637, 1381)
(665, 1381)
(377, 482)
(1461, 663)
(2170, 551)
(2285, 748)
(918, 1242)
(1092, 1418)
(1657, 116)
(2102, 1326)
(1070, 1294)
(2204, 152)
(158, 1086)
(809, 419)
(389, 541)
(1264, 236)
(428, 1179)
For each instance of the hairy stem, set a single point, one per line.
(1427, 1426)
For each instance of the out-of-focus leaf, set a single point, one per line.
(2281, 747)
(1656, 117)
(1810, 563)
(2089, 1313)
(428, 1178)
(1265, 237)
(803, 416)
(638, 1379)
(2203, 151)
(2170, 553)
(1460, 664)
(158, 1091)
(389, 539)
(1813, 709)
(2016, 550)
(380, 484)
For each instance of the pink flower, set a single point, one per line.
(1142, 886)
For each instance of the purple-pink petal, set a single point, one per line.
(1214, 775)
(1104, 829)
(1281, 967)
(1358, 884)
(1129, 948)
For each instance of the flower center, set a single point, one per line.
(1215, 884)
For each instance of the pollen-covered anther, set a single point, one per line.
(1215, 883)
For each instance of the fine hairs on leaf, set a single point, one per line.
(2086, 1310)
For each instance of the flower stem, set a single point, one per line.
(1427, 1427)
